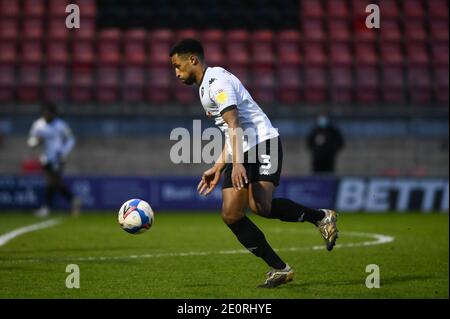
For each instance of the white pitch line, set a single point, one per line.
(377, 239)
(23, 230)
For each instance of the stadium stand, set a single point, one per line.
(289, 52)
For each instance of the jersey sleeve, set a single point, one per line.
(33, 136)
(222, 93)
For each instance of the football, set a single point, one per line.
(136, 216)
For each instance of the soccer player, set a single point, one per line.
(247, 182)
(56, 141)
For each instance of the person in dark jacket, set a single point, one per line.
(324, 141)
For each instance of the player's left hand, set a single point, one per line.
(239, 176)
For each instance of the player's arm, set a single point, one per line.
(238, 175)
(34, 139)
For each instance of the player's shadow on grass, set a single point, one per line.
(298, 285)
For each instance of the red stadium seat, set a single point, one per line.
(82, 86)
(415, 31)
(441, 87)
(57, 29)
(57, 53)
(29, 82)
(262, 36)
(311, 9)
(315, 85)
(339, 31)
(289, 85)
(83, 55)
(358, 7)
(313, 30)
(242, 73)
(160, 42)
(337, 9)
(162, 35)
(9, 29)
(440, 54)
(212, 43)
(366, 54)
(393, 85)
(389, 9)
(315, 54)
(7, 83)
(212, 36)
(184, 94)
(135, 47)
(34, 8)
(237, 36)
(109, 53)
(55, 84)
(340, 55)
(86, 31)
(87, 7)
(33, 28)
(57, 8)
(159, 54)
(31, 52)
(9, 8)
(341, 85)
(438, 9)
(186, 33)
(417, 54)
(391, 54)
(107, 84)
(261, 44)
(159, 84)
(288, 36)
(413, 9)
(439, 30)
(133, 82)
(263, 86)
(362, 34)
(287, 44)
(419, 85)
(390, 32)
(367, 85)
(8, 53)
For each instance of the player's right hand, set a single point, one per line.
(210, 178)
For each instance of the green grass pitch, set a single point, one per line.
(196, 256)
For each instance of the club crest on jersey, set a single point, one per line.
(221, 97)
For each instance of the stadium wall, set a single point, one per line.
(346, 194)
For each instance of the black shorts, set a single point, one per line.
(53, 168)
(262, 163)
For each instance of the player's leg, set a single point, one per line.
(251, 237)
(261, 203)
(62, 188)
(49, 193)
(266, 176)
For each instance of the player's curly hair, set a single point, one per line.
(188, 46)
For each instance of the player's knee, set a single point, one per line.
(263, 209)
(230, 217)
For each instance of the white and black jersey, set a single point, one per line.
(220, 90)
(56, 139)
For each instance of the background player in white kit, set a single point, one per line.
(247, 182)
(56, 140)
